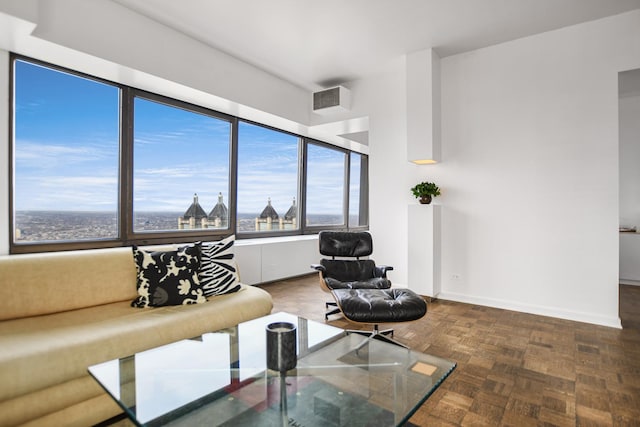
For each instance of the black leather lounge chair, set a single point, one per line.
(348, 271)
(361, 290)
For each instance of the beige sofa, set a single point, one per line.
(62, 312)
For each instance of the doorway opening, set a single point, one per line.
(629, 197)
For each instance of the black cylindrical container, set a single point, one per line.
(281, 346)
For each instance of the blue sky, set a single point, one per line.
(61, 164)
(67, 158)
(178, 153)
(325, 176)
(267, 168)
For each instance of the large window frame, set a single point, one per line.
(345, 187)
(299, 194)
(127, 176)
(126, 234)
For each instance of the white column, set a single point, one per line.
(424, 249)
(423, 107)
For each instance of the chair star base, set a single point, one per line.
(378, 335)
(330, 311)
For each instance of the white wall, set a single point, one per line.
(383, 98)
(530, 171)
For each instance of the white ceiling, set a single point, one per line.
(321, 43)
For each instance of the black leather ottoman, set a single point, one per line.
(380, 306)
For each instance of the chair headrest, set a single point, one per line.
(345, 243)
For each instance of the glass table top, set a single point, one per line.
(220, 378)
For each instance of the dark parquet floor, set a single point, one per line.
(514, 369)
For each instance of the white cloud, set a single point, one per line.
(42, 155)
(64, 193)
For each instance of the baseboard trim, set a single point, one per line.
(629, 282)
(612, 322)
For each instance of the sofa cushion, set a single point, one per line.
(218, 274)
(168, 277)
(43, 351)
(55, 399)
(45, 283)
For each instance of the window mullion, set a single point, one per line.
(303, 185)
(363, 218)
(126, 165)
(233, 178)
(347, 188)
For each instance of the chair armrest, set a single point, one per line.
(381, 270)
(319, 268)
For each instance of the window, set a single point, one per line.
(267, 179)
(357, 190)
(325, 186)
(98, 164)
(66, 156)
(180, 168)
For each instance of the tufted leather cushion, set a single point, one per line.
(380, 305)
(348, 270)
(373, 283)
(345, 243)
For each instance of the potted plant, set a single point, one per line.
(424, 191)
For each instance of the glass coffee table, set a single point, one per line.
(220, 378)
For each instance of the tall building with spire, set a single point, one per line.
(269, 216)
(291, 217)
(219, 215)
(265, 221)
(193, 217)
(196, 217)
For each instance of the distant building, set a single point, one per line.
(193, 217)
(291, 217)
(269, 216)
(219, 215)
(265, 221)
(196, 217)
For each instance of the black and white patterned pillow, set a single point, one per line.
(168, 277)
(218, 274)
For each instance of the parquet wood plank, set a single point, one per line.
(514, 369)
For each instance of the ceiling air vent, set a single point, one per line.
(333, 100)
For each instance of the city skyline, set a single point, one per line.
(56, 226)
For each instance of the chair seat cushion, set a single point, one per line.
(373, 283)
(380, 305)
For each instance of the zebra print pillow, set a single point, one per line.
(218, 274)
